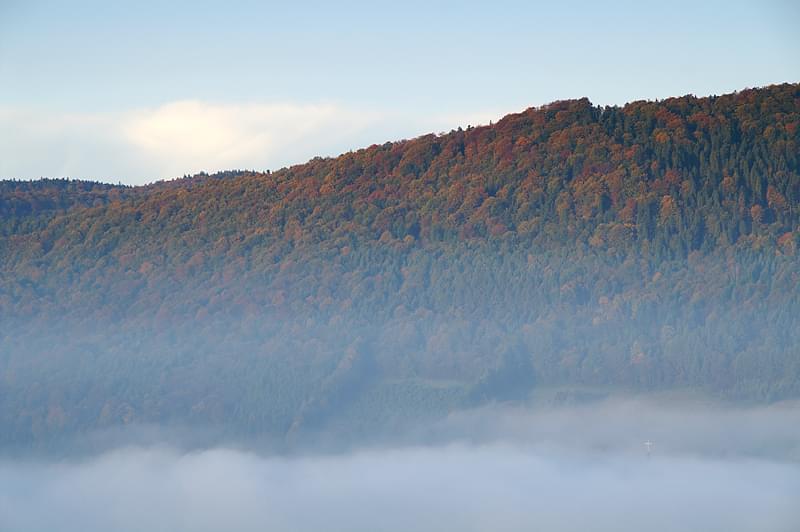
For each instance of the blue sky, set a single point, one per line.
(139, 91)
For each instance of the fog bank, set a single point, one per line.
(495, 469)
(446, 488)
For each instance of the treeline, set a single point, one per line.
(648, 246)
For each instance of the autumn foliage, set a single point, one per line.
(649, 245)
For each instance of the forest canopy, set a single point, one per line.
(651, 246)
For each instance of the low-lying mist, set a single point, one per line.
(494, 469)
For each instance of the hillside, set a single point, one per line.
(648, 247)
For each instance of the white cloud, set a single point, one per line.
(193, 135)
(176, 138)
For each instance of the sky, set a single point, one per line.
(135, 92)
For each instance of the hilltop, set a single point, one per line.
(650, 246)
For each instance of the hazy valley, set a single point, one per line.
(502, 314)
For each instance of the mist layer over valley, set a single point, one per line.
(499, 468)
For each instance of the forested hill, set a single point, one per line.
(648, 246)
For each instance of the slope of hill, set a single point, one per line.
(650, 246)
